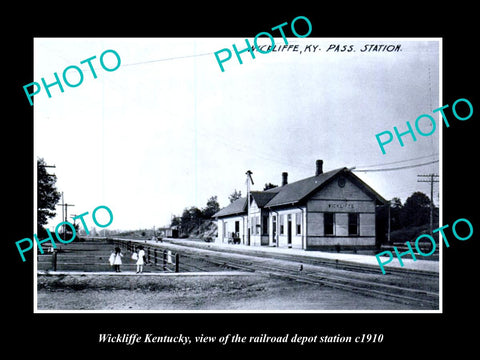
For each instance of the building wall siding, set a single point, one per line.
(333, 191)
(341, 205)
(226, 226)
(328, 242)
(367, 225)
(255, 224)
(340, 200)
(339, 197)
(314, 224)
(297, 239)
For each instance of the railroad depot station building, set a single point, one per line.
(328, 211)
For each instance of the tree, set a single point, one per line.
(396, 209)
(235, 195)
(190, 218)
(269, 186)
(212, 207)
(416, 210)
(47, 196)
(176, 221)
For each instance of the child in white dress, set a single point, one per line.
(116, 259)
(140, 260)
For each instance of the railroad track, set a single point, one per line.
(347, 282)
(395, 293)
(330, 263)
(413, 288)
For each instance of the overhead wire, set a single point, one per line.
(398, 162)
(395, 168)
(168, 59)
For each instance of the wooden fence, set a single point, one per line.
(168, 259)
(68, 258)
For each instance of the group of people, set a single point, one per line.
(116, 259)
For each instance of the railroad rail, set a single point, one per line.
(413, 288)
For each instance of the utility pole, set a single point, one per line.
(431, 180)
(64, 215)
(249, 179)
(389, 220)
(73, 216)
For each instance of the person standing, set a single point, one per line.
(117, 260)
(111, 259)
(140, 260)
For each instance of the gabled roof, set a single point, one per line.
(295, 192)
(237, 207)
(299, 190)
(263, 197)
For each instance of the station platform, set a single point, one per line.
(431, 266)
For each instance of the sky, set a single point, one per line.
(168, 129)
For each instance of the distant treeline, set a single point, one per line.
(405, 218)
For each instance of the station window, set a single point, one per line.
(329, 223)
(282, 217)
(353, 228)
(298, 222)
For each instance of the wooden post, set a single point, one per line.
(155, 255)
(54, 260)
(148, 254)
(177, 256)
(164, 259)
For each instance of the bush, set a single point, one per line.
(410, 234)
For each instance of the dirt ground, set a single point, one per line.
(213, 292)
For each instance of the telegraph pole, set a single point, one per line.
(431, 180)
(249, 179)
(389, 220)
(64, 215)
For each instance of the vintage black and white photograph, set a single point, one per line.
(275, 174)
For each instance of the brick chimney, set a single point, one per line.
(284, 178)
(319, 169)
